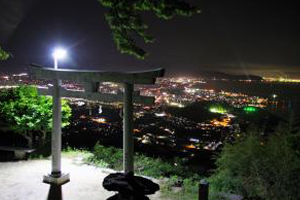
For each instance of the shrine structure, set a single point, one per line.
(91, 80)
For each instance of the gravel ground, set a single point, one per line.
(22, 180)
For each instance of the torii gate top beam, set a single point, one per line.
(142, 77)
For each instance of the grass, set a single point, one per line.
(73, 152)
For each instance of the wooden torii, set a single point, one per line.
(91, 80)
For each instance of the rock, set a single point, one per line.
(129, 185)
(120, 197)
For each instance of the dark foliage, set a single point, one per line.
(125, 21)
(260, 168)
(3, 55)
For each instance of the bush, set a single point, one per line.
(156, 167)
(260, 169)
(188, 188)
(112, 156)
(148, 166)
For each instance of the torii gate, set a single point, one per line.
(91, 79)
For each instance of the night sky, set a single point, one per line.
(241, 37)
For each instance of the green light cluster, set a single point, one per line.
(250, 109)
(217, 109)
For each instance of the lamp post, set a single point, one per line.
(56, 177)
(58, 54)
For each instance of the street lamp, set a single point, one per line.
(56, 176)
(58, 54)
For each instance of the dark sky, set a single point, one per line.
(242, 36)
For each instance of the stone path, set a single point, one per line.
(22, 180)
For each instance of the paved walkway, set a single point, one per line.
(22, 180)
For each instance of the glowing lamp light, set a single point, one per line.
(59, 54)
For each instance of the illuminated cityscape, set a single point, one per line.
(161, 125)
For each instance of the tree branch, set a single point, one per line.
(3, 55)
(125, 21)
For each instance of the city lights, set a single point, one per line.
(218, 109)
(250, 109)
(168, 92)
(99, 120)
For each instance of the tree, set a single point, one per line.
(261, 168)
(125, 21)
(23, 111)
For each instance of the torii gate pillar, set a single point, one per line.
(56, 177)
(128, 142)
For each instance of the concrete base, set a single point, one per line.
(56, 180)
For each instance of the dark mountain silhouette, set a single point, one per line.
(222, 75)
